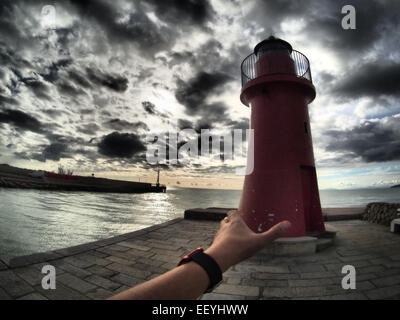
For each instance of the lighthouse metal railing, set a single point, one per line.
(302, 67)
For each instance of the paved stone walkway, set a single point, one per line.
(103, 268)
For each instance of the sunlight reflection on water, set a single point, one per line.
(36, 221)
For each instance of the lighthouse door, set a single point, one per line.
(306, 185)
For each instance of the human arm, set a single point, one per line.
(233, 243)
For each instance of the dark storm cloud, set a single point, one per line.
(22, 155)
(185, 124)
(120, 145)
(205, 58)
(60, 146)
(71, 141)
(69, 146)
(79, 79)
(55, 151)
(372, 141)
(8, 28)
(66, 88)
(21, 120)
(270, 14)
(13, 86)
(180, 57)
(120, 125)
(89, 128)
(197, 12)
(242, 123)
(194, 93)
(65, 36)
(10, 58)
(124, 23)
(7, 100)
(193, 96)
(213, 114)
(150, 108)
(112, 82)
(12, 62)
(137, 28)
(52, 70)
(375, 20)
(208, 58)
(324, 78)
(372, 79)
(39, 88)
(53, 113)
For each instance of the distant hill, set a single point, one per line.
(396, 186)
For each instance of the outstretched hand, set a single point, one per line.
(235, 241)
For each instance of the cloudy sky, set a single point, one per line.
(83, 84)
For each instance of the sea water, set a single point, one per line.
(36, 221)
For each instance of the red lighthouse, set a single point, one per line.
(277, 86)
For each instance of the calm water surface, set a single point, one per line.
(35, 221)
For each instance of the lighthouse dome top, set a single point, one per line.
(275, 44)
(273, 57)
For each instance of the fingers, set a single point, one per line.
(231, 214)
(276, 231)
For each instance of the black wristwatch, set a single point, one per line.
(208, 264)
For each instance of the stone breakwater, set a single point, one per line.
(13, 177)
(381, 212)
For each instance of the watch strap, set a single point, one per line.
(208, 264)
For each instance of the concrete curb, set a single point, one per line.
(340, 217)
(297, 246)
(395, 226)
(216, 214)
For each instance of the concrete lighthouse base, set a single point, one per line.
(293, 246)
(298, 246)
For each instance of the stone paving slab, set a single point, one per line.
(103, 268)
